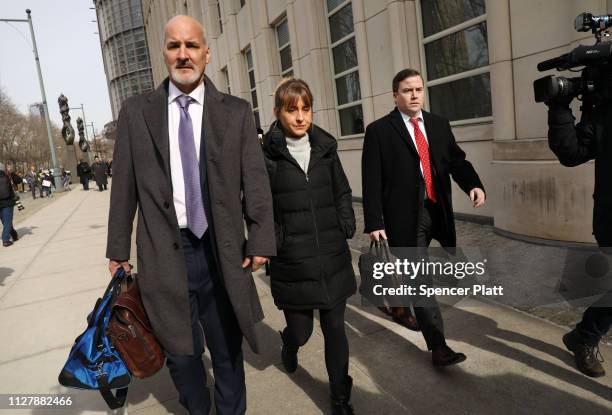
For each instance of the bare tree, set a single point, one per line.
(23, 138)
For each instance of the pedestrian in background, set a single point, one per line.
(15, 177)
(31, 178)
(66, 178)
(41, 177)
(47, 184)
(313, 217)
(84, 173)
(21, 181)
(7, 205)
(100, 170)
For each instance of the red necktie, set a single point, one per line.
(423, 149)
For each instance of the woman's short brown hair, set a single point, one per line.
(289, 90)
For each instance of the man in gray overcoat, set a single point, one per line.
(100, 170)
(187, 156)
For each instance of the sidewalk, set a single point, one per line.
(50, 279)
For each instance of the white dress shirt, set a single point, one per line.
(196, 109)
(410, 127)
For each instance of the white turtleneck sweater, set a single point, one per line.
(299, 148)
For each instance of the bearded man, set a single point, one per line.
(188, 157)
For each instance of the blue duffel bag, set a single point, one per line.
(93, 362)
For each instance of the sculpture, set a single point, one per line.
(67, 130)
(83, 144)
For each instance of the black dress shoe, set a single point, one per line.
(288, 356)
(402, 316)
(14, 234)
(341, 397)
(7, 243)
(407, 320)
(445, 356)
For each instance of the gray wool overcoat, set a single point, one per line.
(239, 192)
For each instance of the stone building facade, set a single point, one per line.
(478, 58)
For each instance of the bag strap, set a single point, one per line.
(374, 248)
(113, 401)
(113, 287)
(385, 249)
(380, 249)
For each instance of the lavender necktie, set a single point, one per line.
(196, 217)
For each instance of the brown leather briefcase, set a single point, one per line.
(130, 332)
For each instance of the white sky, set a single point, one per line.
(70, 57)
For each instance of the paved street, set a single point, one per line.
(50, 279)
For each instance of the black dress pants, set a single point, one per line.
(428, 315)
(597, 319)
(298, 331)
(84, 182)
(213, 323)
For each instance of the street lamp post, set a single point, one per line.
(93, 131)
(56, 172)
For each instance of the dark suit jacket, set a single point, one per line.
(235, 188)
(393, 186)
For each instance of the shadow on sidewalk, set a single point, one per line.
(402, 369)
(5, 273)
(317, 390)
(25, 231)
(495, 340)
(403, 373)
(456, 388)
(158, 387)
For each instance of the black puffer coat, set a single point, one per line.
(313, 216)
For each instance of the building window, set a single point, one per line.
(344, 62)
(248, 56)
(284, 48)
(457, 59)
(220, 16)
(225, 78)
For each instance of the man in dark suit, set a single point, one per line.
(187, 156)
(408, 158)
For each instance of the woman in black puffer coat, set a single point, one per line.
(314, 216)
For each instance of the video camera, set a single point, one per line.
(595, 82)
